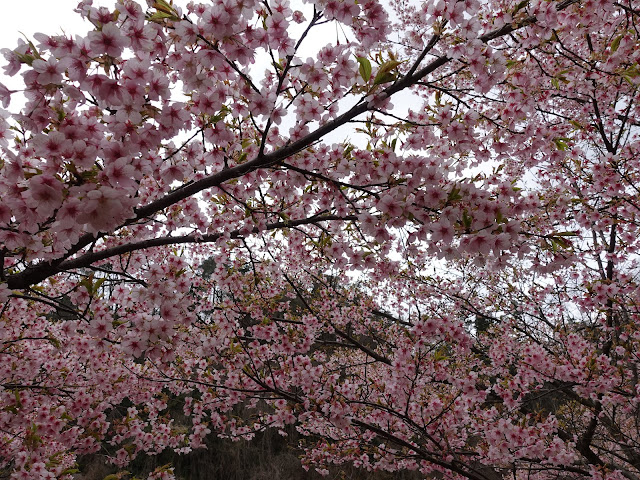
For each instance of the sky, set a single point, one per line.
(33, 16)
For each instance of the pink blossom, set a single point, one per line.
(44, 194)
(5, 95)
(103, 210)
(108, 41)
(442, 231)
(51, 145)
(14, 57)
(67, 214)
(50, 70)
(5, 292)
(174, 116)
(120, 172)
(216, 21)
(390, 205)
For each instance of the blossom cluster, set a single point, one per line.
(417, 241)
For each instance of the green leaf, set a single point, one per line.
(559, 243)
(54, 341)
(570, 233)
(28, 59)
(365, 68)
(454, 195)
(521, 5)
(616, 42)
(33, 49)
(385, 74)
(440, 354)
(347, 151)
(159, 16)
(384, 78)
(632, 71)
(165, 468)
(219, 116)
(69, 471)
(163, 6)
(97, 284)
(561, 144)
(466, 220)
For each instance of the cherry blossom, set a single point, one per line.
(108, 40)
(408, 230)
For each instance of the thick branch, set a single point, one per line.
(92, 257)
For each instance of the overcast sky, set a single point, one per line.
(31, 16)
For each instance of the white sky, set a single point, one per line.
(31, 16)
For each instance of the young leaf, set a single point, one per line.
(616, 43)
(385, 74)
(365, 68)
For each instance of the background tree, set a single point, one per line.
(163, 138)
